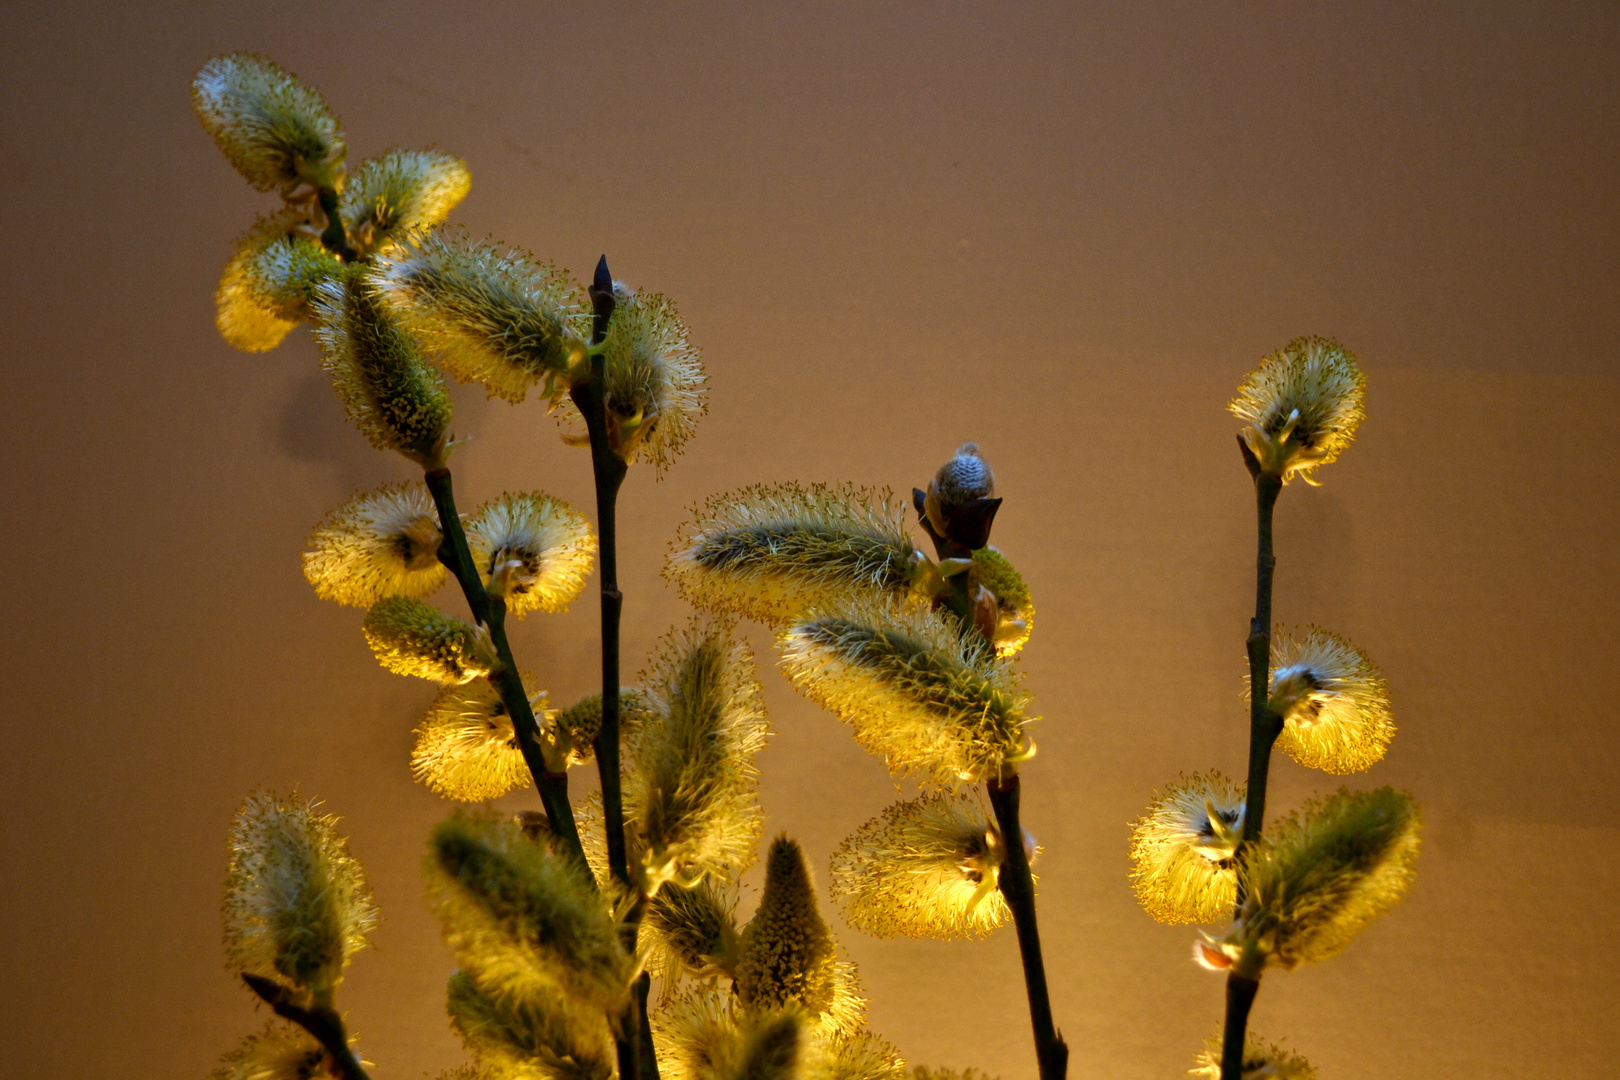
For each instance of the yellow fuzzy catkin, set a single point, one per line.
(924, 1072)
(382, 543)
(520, 919)
(924, 868)
(270, 281)
(1182, 847)
(691, 798)
(704, 1033)
(539, 1036)
(583, 719)
(1016, 617)
(1318, 877)
(499, 317)
(788, 955)
(409, 637)
(275, 131)
(1261, 1061)
(399, 192)
(1333, 700)
(466, 747)
(861, 1056)
(281, 1051)
(916, 692)
(771, 553)
(389, 391)
(296, 902)
(1303, 405)
(545, 545)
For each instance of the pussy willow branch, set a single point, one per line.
(335, 237)
(634, 1043)
(1264, 727)
(320, 1019)
(1015, 881)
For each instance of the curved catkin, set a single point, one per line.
(409, 637)
(1326, 871)
(1261, 1061)
(270, 281)
(498, 317)
(771, 553)
(296, 902)
(654, 379)
(532, 1035)
(1182, 848)
(389, 391)
(522, 920)
(282, 1051)
(691, 798)
(275, 131)
(400, 192)
(1303, 405)
(544, 546)
(691, 930)
(382, 543)
(916, 692)
(466, 747)
(925, 868)
(1333, 700)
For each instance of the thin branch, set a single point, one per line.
(1240, 993)
(1018, 888)
(322, 1022)
(457, 556)
(335, 237)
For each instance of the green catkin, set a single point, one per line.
(692, 930)
(497, 316)
(275, 131)
(534, 1035)
(771, 553)
(400, 192)
(544, 544)
(522, 920)
(389, 391)
(583, 719)
(924, 868)
(1016, 619)
(1319, 876)
(409, 637)
(383, 543)
(1303, 405)
(1181, 854)
(296, 904)
(692, 796)
(916, 692)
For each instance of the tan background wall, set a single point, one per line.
(1063, 231)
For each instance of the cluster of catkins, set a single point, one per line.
(1322, 873)
(911, 651)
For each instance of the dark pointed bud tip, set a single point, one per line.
(1250, 462)
(604, 279)
(969, 524)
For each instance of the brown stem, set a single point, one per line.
(1240, 993)
(320, 1019)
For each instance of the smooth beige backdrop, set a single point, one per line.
(1063, 231)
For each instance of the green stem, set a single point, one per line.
(320, 1019)
(1264, 725)
(1018, 888)
(1240, 993)
(457, 556)
(334, 237)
